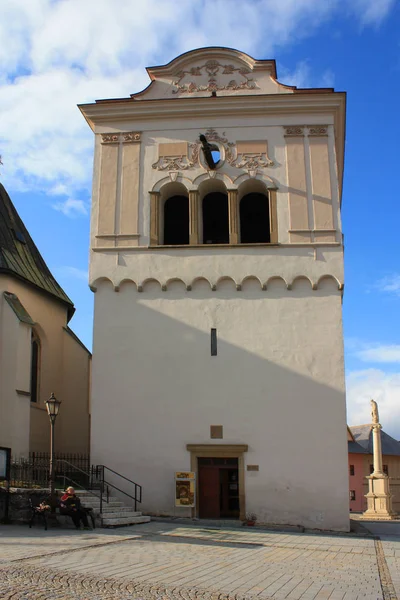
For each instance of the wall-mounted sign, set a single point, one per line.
(5, 463)
(185, 489)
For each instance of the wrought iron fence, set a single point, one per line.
(34, 472)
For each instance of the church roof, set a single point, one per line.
(19, 256)
(363, 438)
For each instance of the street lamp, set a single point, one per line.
(53, 406)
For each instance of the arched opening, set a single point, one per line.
(35, 367)
(176, 221)
(254, 219)
(215, 218)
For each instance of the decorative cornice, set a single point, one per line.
(318, 130)
(132, 136)
(125, 137)
(310, 130)
(110, 138)
(294, 131)
(215, 286)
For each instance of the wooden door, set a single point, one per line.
(209, 492)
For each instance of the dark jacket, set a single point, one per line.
(70, 502)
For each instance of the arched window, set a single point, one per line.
(35, 367)
(254, 219)
(215, 218)
(176, 221)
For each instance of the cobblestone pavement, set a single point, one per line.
(165, 561)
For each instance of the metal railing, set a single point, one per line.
(105, 484)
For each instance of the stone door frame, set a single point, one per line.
(219, 451)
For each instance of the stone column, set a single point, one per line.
(233, 217)
(379, 498)
(377, 446)
(193, 217)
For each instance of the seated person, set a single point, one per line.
(71, 505)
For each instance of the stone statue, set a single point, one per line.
(375, 413)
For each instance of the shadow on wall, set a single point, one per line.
(276, 384)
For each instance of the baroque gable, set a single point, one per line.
(212, 71)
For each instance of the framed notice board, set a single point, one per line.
(5, 463)
(185, 489)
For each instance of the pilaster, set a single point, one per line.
(233, 217)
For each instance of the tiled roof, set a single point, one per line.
(363, 437)
(20, 257)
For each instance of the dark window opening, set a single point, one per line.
(213, 342)
(215, 219)
(176, 221)
(35, 351)
(351, 469)
(386, 469)
(254, 219)
(352, 495)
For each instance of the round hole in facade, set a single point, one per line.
(176, 221)
(215, 219)
(254, 219)
(216, 154)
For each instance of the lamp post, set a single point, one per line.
(53, 406)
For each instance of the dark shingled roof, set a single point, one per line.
(354, 448)
(19, 256)
(363, 437)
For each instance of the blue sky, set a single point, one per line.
(55, 55)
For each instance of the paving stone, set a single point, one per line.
(164, 561)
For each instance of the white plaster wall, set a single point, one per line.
(14, 359)
(277, 385)
(213, 263)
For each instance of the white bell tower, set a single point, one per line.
(217, 265)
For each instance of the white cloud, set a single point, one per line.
(380, 354)
(71, 207)
(303, 77)
(372, 12)
(384, 388)
(373, 352)
(389, 284)
(73, 272)
(55, 55)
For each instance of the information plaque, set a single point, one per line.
(185, 489)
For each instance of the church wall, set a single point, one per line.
(62, 370)
(15, 348)
(276, 382)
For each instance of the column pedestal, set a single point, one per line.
(379, 499)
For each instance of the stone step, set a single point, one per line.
(114, 522)
(113, 509)
(121, 515)
(93, 502)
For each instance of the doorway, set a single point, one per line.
(218, 488)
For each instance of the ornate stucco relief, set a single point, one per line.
(249, 155)
(301, 130)
(180, 162)
(115, 138)
(213, 76)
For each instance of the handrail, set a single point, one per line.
(103, 483)
(136, 498)
(66, 462)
